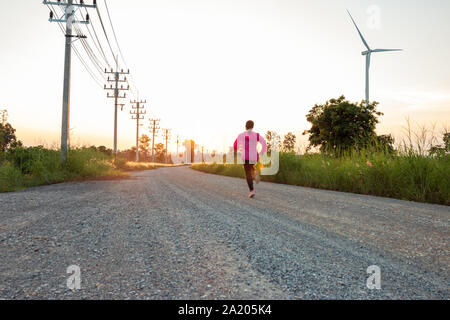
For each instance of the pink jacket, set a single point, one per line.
(248, 141)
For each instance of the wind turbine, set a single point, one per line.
(368, 53)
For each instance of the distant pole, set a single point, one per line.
(203, 159)
(178, 140)
(69, 19)
(138, 114)
(166, 137)
(154, 127)
(116, 96)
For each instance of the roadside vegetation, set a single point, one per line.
(405, 176)
(22, 167)
(345, 154)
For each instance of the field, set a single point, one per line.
(409, 176)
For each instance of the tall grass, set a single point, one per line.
(406, 176)
(28, 167)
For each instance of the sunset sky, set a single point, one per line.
(207, 66)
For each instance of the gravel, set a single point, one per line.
(175, 233)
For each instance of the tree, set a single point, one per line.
(384, 143)
(107, 151)
(447, 141)
(144, 145)
(289, 142)
(442, 150)
(272, 139)
(160, 153)
(8, 137)
(340, 125)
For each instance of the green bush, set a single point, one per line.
(87, 162)
(120, 163)
(25, 158)
(10, 177)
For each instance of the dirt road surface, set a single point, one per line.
(174, 233)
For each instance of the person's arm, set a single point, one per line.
(263, 144)
(236, 144)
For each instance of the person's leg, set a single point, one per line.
(249, 175)
(257, 173)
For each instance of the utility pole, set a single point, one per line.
(68, 18)
(4, 114)
(138, 114)
(166, 135)
(116, 96)
(178, 141)
(154, 127)
(203, 159)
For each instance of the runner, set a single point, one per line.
(248, 143)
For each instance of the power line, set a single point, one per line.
(106, 35)
(115, 36)
(91, 55)
(117, 43)
(99, 46)
(86, 67)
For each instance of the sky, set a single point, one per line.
(205, 67)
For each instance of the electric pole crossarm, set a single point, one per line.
(111, 80)
(79, 5)
(116, 72)
(64, 21)
(73, 36)
(117, 97)
(125, 89)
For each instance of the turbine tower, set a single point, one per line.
(368, 53)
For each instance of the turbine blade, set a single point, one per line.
(386, 50)
(360, 34)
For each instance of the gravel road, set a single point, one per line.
(175, 233)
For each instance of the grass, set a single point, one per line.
(29, 167)
(407, 176)
(139, 166)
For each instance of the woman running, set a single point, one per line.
(248, 143)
